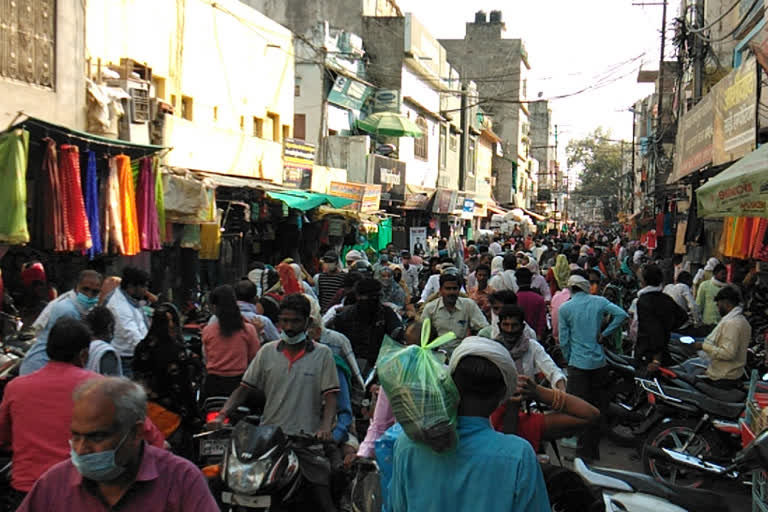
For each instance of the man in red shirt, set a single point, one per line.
(532, 303)
(111, 467)
(36, 408)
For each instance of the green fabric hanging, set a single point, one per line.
(159, 198)
(14, 151)
(385, 233)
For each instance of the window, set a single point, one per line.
(215, 113)
(286, 131)
(421, 144)
(258, 127)
(300, 126)
(186, 108)
(453, 143)
(242, 123)
(471, 161)
(158, 84)
(275, 131)
(28, 41)
(443, 150)
(173, 102)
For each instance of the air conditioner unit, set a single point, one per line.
(139, 107)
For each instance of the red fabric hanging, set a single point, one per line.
(54, 236)
(660, 223)
(760, 251)
(76, 229)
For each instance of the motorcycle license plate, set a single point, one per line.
(246, 501)
(213, 446)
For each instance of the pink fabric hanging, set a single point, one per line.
(113, 212)
(146, 208)
(76, 228)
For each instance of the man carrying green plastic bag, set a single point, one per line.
(423, 396)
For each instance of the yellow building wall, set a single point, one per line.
(235, 64)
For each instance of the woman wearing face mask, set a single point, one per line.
(530, 357)
(391, 291)
(229, 344)
(168, 371)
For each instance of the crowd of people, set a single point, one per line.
(111, 388)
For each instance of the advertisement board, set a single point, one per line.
(734, 131)
(445, 201)
(348, 93)
(694, 138)
(367, 197)
(468, 211)
(390, 174)
(418, 240)
(298, 160)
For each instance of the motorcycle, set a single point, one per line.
(699, 420)
(632, 492)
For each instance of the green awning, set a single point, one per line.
(739, 191)
(303, 200)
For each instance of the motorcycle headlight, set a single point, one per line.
(245, 478)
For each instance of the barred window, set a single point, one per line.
(421, 144)
(27, 41)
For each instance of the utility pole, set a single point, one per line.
(698, 58)
(661, 66)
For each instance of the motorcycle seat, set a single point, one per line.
(725, 395)
(690, 499)
(729, 410)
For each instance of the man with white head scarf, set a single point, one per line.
(485, 460)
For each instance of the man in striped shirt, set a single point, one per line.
(329, 281)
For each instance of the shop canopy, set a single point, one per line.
(739, 191)
(302, 200)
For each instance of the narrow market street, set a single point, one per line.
(383, 256)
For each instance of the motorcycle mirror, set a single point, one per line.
(687, 340)
(765, 377)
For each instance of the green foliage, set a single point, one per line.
(598, 160)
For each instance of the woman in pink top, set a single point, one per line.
(229, 344)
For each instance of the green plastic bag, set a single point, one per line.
(420, 389)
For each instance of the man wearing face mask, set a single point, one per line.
(76, 305)
(110, 465)
(329, 281)
(366, 322)
(299, 380)
(131, 323)
(34, 414)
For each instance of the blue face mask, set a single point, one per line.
(87, 302)
(293, 340)
(98, 466)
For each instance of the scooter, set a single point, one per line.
(632, 492)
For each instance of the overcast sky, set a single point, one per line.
(571, 44)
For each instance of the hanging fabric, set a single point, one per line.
(159, 199)
(128, 218)
(14, 153)
(77, 230)
(52, 218)
(210, 232)
(92, 206)
(114, 212)
(146, 208)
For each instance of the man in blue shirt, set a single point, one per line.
(488, 470)
(580, 321)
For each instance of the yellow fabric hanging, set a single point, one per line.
(130, 220)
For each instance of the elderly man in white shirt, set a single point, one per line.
(131, 324)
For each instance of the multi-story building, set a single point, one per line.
(226, 70)
(42, 57)
(543, 150)
(500, 67)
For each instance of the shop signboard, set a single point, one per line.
(445, 201)
(694, 138)
(386, 100)
(298, 160)
(468, 211)
(734, 132)
(366, 197)
(390, 174)
(417, 198)
(348, 93)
